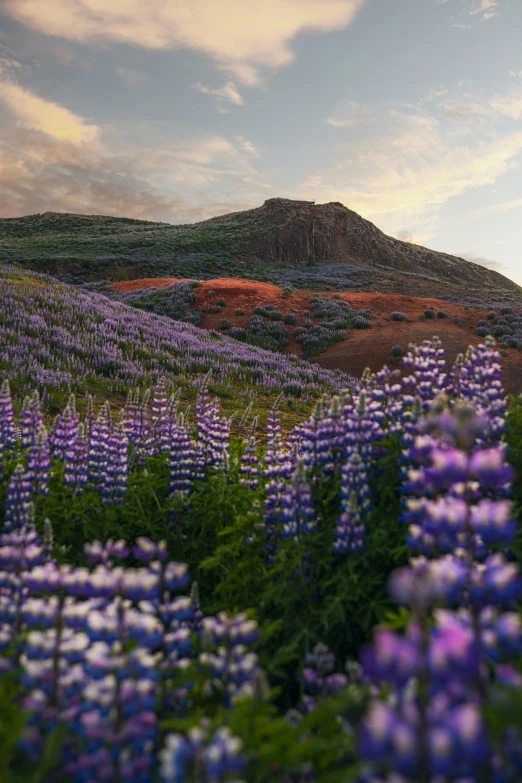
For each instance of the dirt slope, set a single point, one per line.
(367, 348)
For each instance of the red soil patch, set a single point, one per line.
(144, 283)
(366, 348)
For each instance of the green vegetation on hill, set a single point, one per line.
(285, 242)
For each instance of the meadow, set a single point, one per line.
(222, 563)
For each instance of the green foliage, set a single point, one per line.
(514, 442)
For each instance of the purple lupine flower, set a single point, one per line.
(31, 419)
(274, 441)
(477, 378)
(142, 436)
(213, 430)
(19, 491)
(39, 464)
(159, 405)
(350, 531)
(319, 677)
(20, 549)
(428, 376)
(305, 435)
(279, 470)
(8, 431)
(76, 470)
(169, 421)
(330, 433)
(99, 442)
(297, 509)
(250, 469)
(215, 757)
(355, 499)
(63, 434)
(230, 660)
(130, 415)
(362, 416)
(113, 480)
(184, 461)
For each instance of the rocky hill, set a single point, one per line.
(331, 232)
(283, 240)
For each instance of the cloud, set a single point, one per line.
(9, 62)
(132, 76)
(226, 93)
(406, 173)
(487, 8)
(496, 209)
(54, 161)
(46, 116)
(353, 113)
(240, 37)
(467, 105)
(8, 65)
(487, 262)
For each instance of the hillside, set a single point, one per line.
(293, 323)
(61, 339)
(282, 242)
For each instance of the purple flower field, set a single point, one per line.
(55, 338)
(189, 597)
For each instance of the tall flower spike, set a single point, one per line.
(250, 469)
(298, 514)
(306, 435)
(143, 432)
(159, 407)
(184, 463)
(330, 438)
(89, 418)
(274, 440)
(428, 376)
(18, 500)
(98, 451)
(8, 431)
(130, 414)
(62, 437)
(31, 419)
(39, 464)
(113, 482)
(76, 472)
(479, 379)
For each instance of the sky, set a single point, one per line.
(407, 111)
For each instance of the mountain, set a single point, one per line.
(282, 234)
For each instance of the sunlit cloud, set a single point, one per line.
(404, 177)
(353, 113)
(497, 209)
(488, 9)
(227, 93)
(54, 161)
(240, 37)
(45, 116)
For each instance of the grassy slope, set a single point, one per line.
(82, 248)
(26, 296)
(89, 248)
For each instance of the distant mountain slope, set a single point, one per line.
(281, 234)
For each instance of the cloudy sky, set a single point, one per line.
(407, 111)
